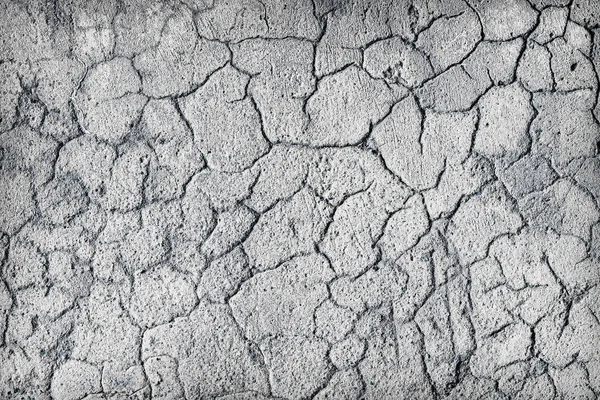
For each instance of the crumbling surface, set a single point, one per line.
(299, 199)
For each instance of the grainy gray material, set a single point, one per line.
(299, 199)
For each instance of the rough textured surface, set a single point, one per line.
(299, 199)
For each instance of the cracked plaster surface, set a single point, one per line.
(299, 199)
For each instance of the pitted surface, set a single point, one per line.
(299, 199)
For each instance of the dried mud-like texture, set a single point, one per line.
(299, 199)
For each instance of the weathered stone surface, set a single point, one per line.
(227, 126)
(280, 70)
(25, 149)
(10, 89)
(176, 156)
(232, 227)
(404, 228)
(417, 145)
(163, 377)
(144, 248)
(299, 199)
(528, 174)
(234, 21)
(332, 321)
(90, 160)
(286, 165)
(397, 62)
(456, 182)
(350, 239)
(508, 346)
(534, 70)
(482, 218)
(343, 384)
(571, 68)
(505, 21)
(344, 107)
(286, 230)
(108, 102)
(459, 87)
(553, 22)
(181, 61)
(137, 26)
(87, 380)
(348, 352)
(124, 189)
(505, 115)
(160, 296)
(208, 334)
(386, 374)
(62, 199)
(585, 12)
(408, 20)
(564, 128)
(17, 201)
(276, 302)
(223, 276)
(354, 24)
(449, 40)
(564, 206)
(286, 356)
(383, 283)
